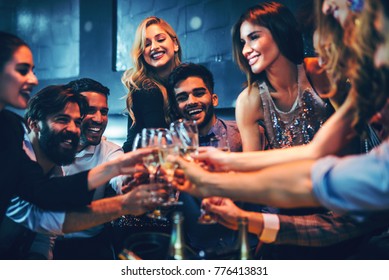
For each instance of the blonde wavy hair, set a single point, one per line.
(141, 73)
(333, 52)
(349, 55)
(368, 81)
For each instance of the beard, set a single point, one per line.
(209, 113)
(50, 141)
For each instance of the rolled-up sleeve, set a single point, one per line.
(358, 185)
(34, 218)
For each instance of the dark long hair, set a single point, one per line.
(9, 43)
(282, 26)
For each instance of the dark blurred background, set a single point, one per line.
(71, 39)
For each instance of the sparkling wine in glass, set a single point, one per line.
(149, 138)
(170, 147)
(188, 135)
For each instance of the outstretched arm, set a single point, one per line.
(329, 140)
(135, 202)
(316, 230)
(285, 186)
(122, 165)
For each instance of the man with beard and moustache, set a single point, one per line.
(92, 150)
(52, 140)
(191, 91)
(54, 117)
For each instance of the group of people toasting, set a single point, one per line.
(305, 164)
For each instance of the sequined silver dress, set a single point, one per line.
(299, 125)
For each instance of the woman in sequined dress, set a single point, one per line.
(275, 186)
(337, 131)
(280, 95)
(367, 96)
(355, 184)
(269, 49)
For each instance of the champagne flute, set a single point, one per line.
(151, 161)
(169, 145)
(220, 142)
(149, 138)
(188, 134)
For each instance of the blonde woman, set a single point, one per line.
(155, 53)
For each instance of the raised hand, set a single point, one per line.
(214, 158)
(191, 177)
(227, 214)
(139, 177)
(144, 198)
(127, 162)
(225, 211)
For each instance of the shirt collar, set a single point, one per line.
(88, 150)
(218, 128)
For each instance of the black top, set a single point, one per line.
(147, 105)
(21, 176)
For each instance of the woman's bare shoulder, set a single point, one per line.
(249, 95)
(249, 104)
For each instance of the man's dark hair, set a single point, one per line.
(186, 70)
(87, 84)
(53, 99)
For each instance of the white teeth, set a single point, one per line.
(253, 59)
(195, 111)
(94, 129)
(68, 141)
(157, 55)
